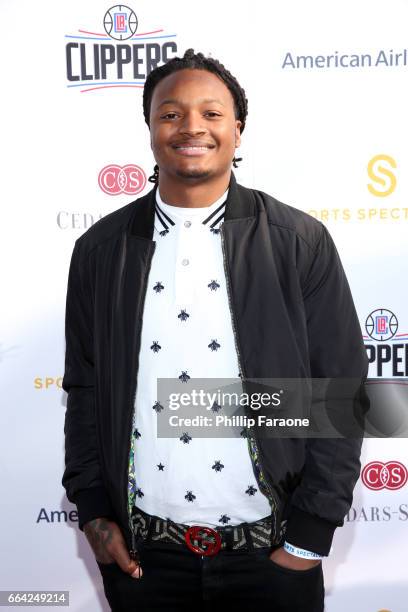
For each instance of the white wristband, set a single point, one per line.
(300, 552)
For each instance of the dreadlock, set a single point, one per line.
(196, 61)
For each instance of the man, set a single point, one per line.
(203, 278)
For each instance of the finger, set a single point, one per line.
(137, 573)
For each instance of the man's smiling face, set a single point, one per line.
(193, 128)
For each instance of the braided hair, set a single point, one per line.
(196, 61)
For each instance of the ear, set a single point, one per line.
(237, 133)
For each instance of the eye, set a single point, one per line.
(212, 114)
(169, 116)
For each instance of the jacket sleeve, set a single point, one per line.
(82, 476)
(336, 348)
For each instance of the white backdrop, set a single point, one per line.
(328, 139)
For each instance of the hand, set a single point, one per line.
(108, 545)
(281, 557)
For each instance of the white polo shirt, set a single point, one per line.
(187, 332)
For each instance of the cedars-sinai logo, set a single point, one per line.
(129, 179)
(116, 53)
(391, 475)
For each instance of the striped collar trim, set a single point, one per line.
(164, 223)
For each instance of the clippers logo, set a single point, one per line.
(115, 55)
(120, 22)
(381, 324)
(391, 475)
(389, 351)
(129, 179)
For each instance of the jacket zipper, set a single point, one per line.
(133, 553)
(253, 445)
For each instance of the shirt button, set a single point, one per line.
(185, 262)
(187, 223)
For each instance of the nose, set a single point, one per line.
(193, 124)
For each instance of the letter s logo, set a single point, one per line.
(377, 172)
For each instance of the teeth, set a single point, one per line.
(193, 148)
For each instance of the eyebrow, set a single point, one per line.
(180, 103)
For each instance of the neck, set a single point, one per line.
(192, 193)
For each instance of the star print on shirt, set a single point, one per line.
(251, 490)
(155, 346)
(183, 316)
(217, 466)
(139, 492)
(190, 496)
(158, 287)
(160, 466)
(214, 345)
(137, 434)
(184, 377)
(243, 433)
(213, 285)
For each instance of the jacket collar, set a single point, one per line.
(240, 204)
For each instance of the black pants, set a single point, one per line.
(176, 579)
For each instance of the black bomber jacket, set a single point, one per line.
(293, 316)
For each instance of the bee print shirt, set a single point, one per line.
(187, 333)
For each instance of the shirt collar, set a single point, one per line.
(167, 215)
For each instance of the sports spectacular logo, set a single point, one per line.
(120, 56)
